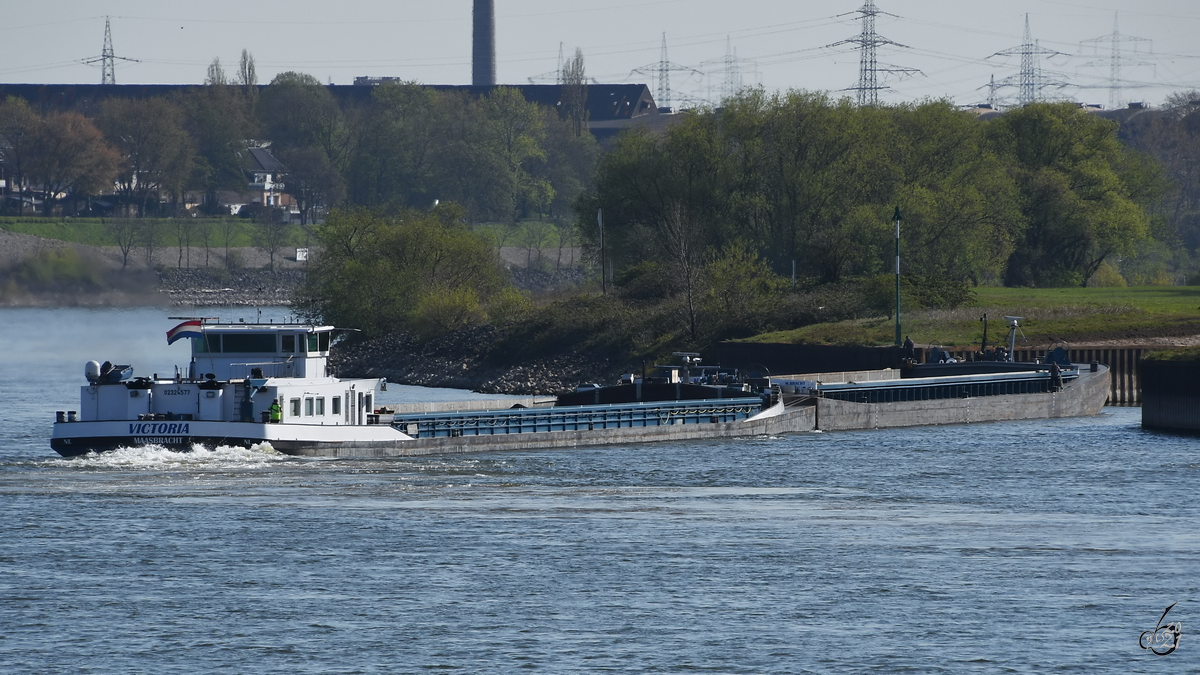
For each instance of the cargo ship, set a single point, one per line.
(250, 384)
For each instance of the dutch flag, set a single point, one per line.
(185, 329)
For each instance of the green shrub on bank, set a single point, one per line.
(88, 231)
(96, 231)
(1181, 354)
(420, 272)
(59, 267)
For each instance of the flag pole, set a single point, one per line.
(603, 260)
(896, 217)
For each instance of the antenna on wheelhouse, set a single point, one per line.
(1013, 327)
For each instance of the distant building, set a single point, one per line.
(611, 107)
(264, 172)
(264, 187)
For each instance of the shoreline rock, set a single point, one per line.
(212, 287)
(465, 359)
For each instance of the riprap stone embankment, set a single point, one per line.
(213, 287)
(468, 359)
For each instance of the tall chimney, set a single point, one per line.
(483, 51)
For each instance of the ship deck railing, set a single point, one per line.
(936, 388)
(245, 370)
(575, 418)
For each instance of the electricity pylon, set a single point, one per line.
(1115, 60)
(107, 59)
(869, 42)
(661, 71)
(1030, 82)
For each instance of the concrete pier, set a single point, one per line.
(1171, 396)
(1123, 366)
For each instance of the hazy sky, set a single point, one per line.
(781, 44)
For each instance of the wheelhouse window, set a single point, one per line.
(207, 344)
(318, 342)
(288, 344)
(248, 343)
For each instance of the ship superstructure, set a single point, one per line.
(246, 383)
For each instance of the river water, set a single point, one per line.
(1041, 546)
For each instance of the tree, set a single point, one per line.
(683, 252)
(228, 230)
(247, 79)
(739, 285)
(311, 180)
(18, 131)
(69, 155)
(247, 76)
(396, 168)
(960, 204)
(184, 229)
(149, 232)
(351, 234)
(515, 132)
(124, 232)
(564, 234)
(469, 168)
(216, 74)
(204, 230)
(648, 185)
(271, 232)
(156, 151)
(1080, 192)
(297, 111)
(574, 93)
(1172, 137)
(419, 271)
(534, 236)
(219, 119)
(569, 167)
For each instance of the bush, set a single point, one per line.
(934, 292)
(509, 306)
(447, 310)
(60, 267)
(1183, 354)
(1106, 276)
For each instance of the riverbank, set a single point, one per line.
(40, 272)
(469, 359)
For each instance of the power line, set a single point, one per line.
(556, 76)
